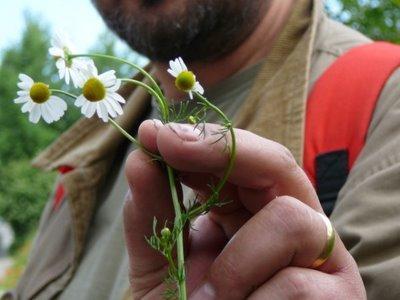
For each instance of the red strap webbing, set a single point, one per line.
(341, 105)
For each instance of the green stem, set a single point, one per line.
(163, 105)
(135, 66)
(63, 93)
(179, 241)
(134, 141)
(232, 158)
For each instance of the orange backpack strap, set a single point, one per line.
(339, 111)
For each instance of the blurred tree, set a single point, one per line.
(24, 190)
(23, 194)
(378, 19)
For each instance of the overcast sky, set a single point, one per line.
(77, 17)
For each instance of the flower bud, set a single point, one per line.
(165, 233)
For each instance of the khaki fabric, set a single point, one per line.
(367, 213)
(367, 209)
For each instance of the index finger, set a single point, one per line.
(260, 163)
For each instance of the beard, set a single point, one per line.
(196, 30)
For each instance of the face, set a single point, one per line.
(197, 30)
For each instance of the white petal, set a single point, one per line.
(116, 97)
(24, 85)
(35, 114)
(25, 78)
(173, 72)
(77, 78)
(115, 87)
(107, 76)
(91, 110)
(47, 117)
(20, 100)
(80, 101)
(176, 66)
(23, 93)
(110, 109)
(190, 94)
(67, 77)
(61, 73)
(174, 69)
(102, 111)
(27, 107)
(116, 106)
(198, 88)
(93, 72)
(56, 110)
(183, 66)
(60, 63)
(58, 102)
(85, 107)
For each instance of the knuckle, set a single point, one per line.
(290, 216)
(286, 157)
(132, 164)
(226, 277)
(296, 284)
(138, 163)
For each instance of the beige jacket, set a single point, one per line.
(367, 211)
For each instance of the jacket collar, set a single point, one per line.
(275, 108)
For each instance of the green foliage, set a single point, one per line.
(18, 138)
(23, 194)
(24, 190)
(378, 19)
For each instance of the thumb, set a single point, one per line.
(149, 197)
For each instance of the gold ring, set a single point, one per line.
(329, 245)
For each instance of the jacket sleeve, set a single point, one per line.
(50, 256)
(367, 213)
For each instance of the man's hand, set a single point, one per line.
(261, 245)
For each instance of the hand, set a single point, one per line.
(260, 245)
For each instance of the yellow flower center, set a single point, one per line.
(94, 90)
(185, 81)
(39, 92)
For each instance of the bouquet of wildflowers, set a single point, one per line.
(99, 97)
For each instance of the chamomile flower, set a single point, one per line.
(68, 68)
(99, 95)
(185, 80)
(37, 100)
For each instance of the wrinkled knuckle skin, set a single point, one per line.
(226, 278)
(132, 165)
(296, 284)
(289, 214)
(287, 159)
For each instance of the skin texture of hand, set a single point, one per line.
(259, 246)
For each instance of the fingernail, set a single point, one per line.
(185, 132)
(206, 291)
(157, 123)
